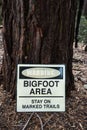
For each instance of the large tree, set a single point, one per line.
(37, 31)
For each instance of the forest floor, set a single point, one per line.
(75, 116)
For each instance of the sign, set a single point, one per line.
(40, 88)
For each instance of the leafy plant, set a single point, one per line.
(83, 30)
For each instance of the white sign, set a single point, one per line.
(40, 88)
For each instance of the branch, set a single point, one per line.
(48, 120)
(40, 120)
(28, 121)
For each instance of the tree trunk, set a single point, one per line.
(85, 8)
(38, 32)
(79, 13)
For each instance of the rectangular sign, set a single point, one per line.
(40, 88)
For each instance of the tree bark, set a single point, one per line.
(79, 13)
(85, 8)
(38, 32)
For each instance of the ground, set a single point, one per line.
(75, 116)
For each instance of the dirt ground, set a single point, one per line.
(75, 116)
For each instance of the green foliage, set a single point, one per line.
(83, 30)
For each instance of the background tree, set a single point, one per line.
(79, 13)
(81, 22)
(85, 8)
(37, 31)
(0, 11)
